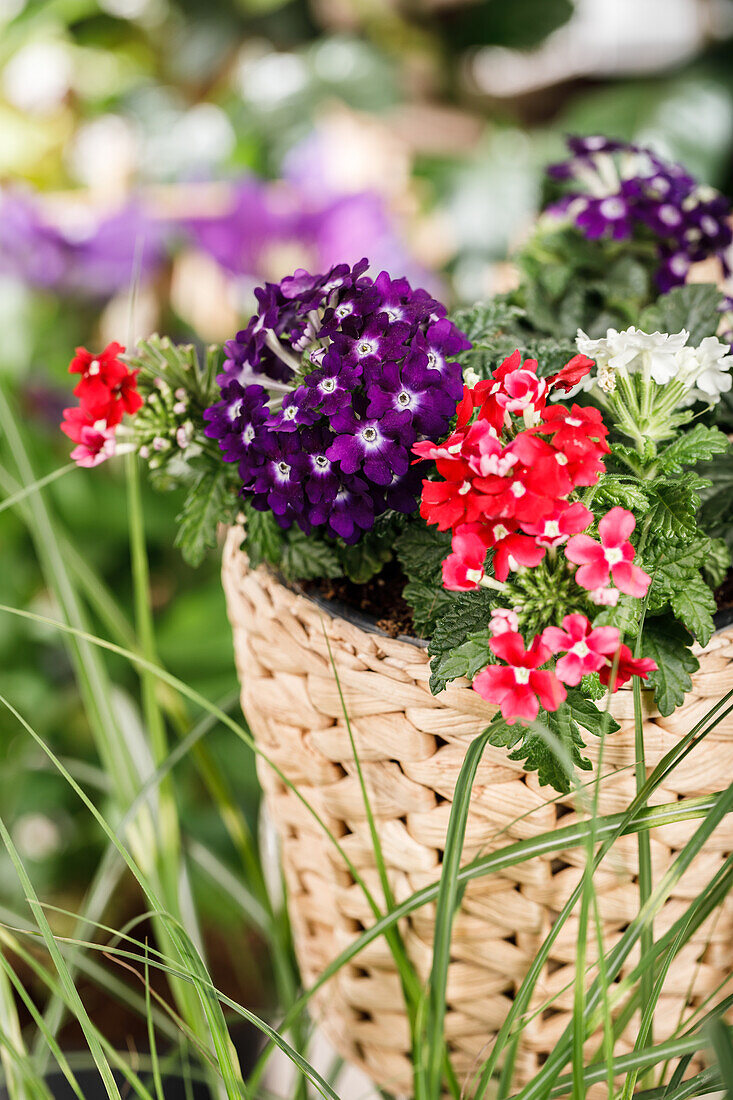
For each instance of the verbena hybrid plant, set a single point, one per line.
(618, 454)
(543, 509)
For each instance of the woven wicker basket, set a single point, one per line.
(411, 746)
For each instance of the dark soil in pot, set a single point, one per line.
(379, 606)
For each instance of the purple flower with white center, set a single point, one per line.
(607, 217)
(346, 373)
(278, 480)
(320, 475)
(619, 191)
(238, 422)
(400, 303)
(349, 513)
(331, 386)
(672, 270)
(440, 345)
(378, 342)
(409, 391)
(294, 412)
(403, 492)
(379, 447)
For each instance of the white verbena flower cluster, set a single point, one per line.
(704, 371)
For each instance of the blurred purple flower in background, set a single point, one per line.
(89, 256)
(260, 229)
(266, 218)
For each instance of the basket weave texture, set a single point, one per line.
(411, 746)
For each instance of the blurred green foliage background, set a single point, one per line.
(433, 118)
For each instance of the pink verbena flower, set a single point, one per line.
(95, 446)
(503, 621)
(519, 686)
(565, 520)
(611, 558)
(463, 570)
(627, 666)
(586, 650)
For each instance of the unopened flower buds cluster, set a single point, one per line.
(510, 490)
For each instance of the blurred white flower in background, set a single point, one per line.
(269, 78)
(36, 836)
(103, 154)
(10, 8)
(38, 77)
(180, 143)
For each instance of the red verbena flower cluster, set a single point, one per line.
(106, 390)
(509, 480)
(506, 490)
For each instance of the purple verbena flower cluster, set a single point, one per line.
(326, 390)
(627, 191)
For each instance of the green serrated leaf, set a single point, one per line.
(627, 280)
(467, 617)
(591, 687)
(673, 507)
(693, 307)
(672, 567)
(717, 563)
(466, 659)
(502, 735)
(305, 557)
(625, 616)
(694, 605)
(209, 502)
(587, 714)
(486, 319)
(264, 538)
(537, 751)
(422, 551)
(427, 602)
(668, 643)
(628, 494)
(699, 444)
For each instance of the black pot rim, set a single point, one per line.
(342, 610)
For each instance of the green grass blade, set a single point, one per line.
(157, 1082)
(636, 1060)
(37, 1018)
(196, 697)
(430, 1057)
(22, 494)
(645, 858)
(410, 983)
(80, 1012)
(21, 1081)
(194, 969)
(721, 1038)
(621, 951)
(523, 994)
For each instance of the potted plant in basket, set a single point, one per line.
(455, 545)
